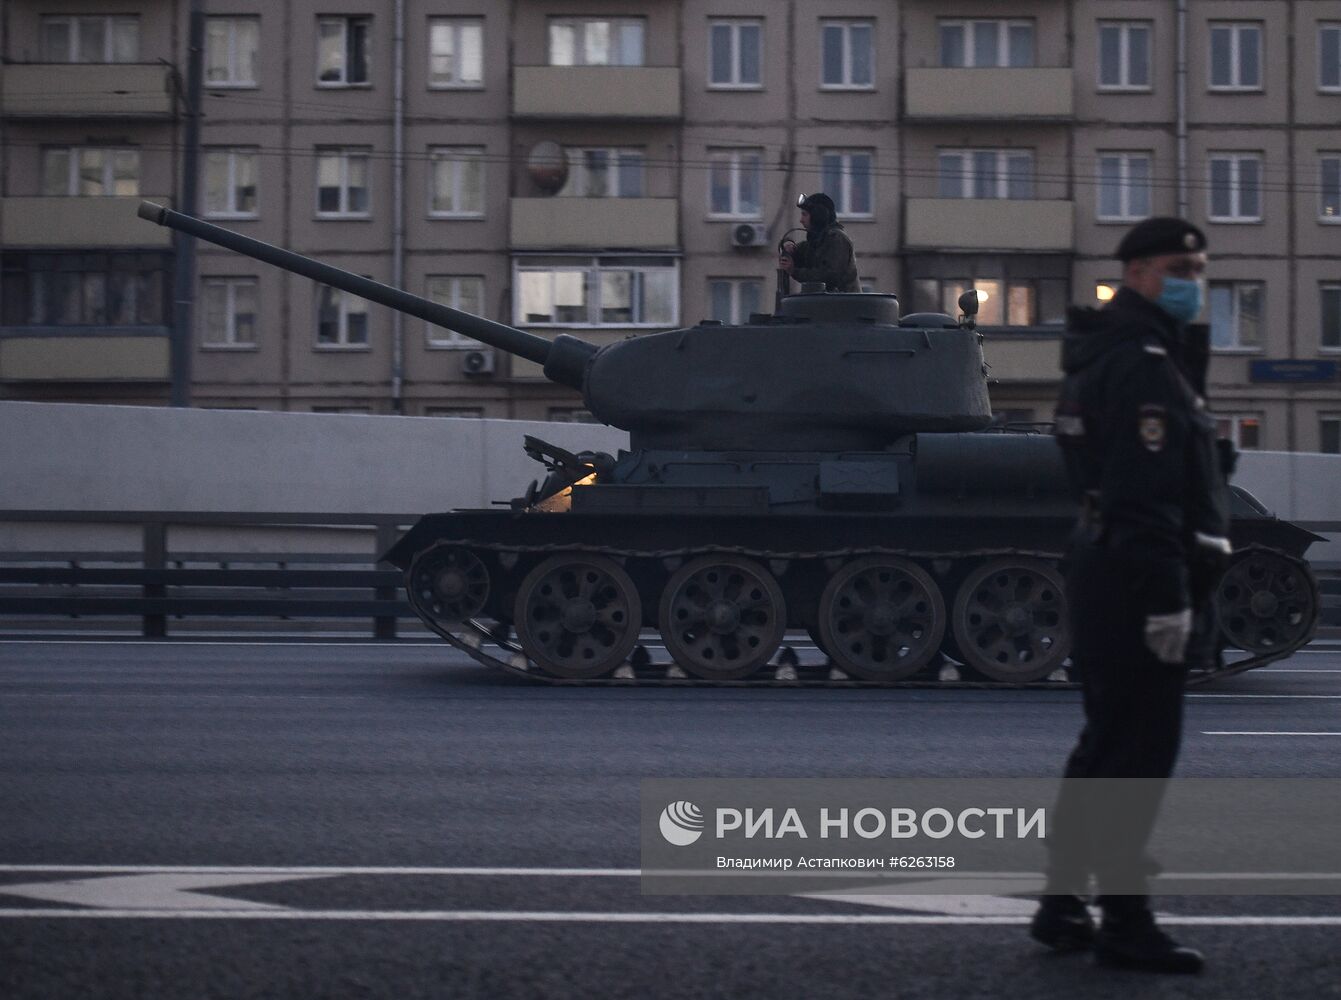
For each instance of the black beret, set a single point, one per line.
(1160, 235)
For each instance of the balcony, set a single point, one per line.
(84, 354)
(988, 224)
(1023, 357)
(82, 90)
(1037, 95)
(594, 223)
(632, 93)
(79, 222)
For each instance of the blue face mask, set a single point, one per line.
(1181, 298)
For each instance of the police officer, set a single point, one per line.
(1141, 455)
(826, 254)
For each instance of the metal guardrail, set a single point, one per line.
(155, 584)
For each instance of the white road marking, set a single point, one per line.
(944, 904)
(1258, 732)
(1323, 697)
(155, 892)
(326, 870)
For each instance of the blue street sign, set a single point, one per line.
(1286, 370)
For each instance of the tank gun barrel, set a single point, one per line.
(564, 358)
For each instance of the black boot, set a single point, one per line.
(1063, 923)
(1130, 938)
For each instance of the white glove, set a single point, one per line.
(1166, 635)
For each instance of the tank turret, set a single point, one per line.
(827, 373)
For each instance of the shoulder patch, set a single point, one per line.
(1153, 427)
(1154, 349)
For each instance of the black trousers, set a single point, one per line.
(1133, 728)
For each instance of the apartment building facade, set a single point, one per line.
(606, 169)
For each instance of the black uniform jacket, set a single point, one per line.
(829, 258)
(1140, 447)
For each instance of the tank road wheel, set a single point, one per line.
(449, 583)
(578, 615)
(881, 618)
(1265, 602)
(1009, 620)
(722, 617)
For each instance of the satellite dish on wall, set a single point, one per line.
(548, 166)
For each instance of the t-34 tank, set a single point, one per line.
(826, 468)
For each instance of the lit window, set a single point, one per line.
(1236, 187)
(1329, 210)
(586, 41)
(1331, 316)
(1244, 429)
(987, 43)
(734, 299)
(463, 292)
(1236, 56)
(1124, 55)
(845, 175)
(1124, 187)
(985, 173)
(228, 312)
(621, 291)
(230, 183)
(342, 183)
(735, 177)
(846, 55)
(91, 38)
(603, 173)
(456, 179)
(90, 172)
(1329, 57)
(1236, 314)
(230, 51)
(734, 54)
(455, 52)
(1003, 302)
(343, 51)
(342, 318)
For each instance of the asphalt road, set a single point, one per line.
(348, 820)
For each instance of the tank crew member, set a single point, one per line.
(826, 254)
(1141, 455)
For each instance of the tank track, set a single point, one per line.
(473, 637)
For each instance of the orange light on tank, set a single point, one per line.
(1104, 292)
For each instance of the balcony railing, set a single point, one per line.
(1031, 94)
(989, 224)
(87, 90)
(638, 93)
(79, 222)
(594, 223)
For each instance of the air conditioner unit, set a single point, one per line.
(749, 234)
(477, 363)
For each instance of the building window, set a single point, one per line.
(343, 51)
(846, 60)
(1124, 187)
(1236, 187)
(342, 183)
(342, 318)
(1329, 58)
(230, 51)
(845, 175)
(456, 182)
(90, 172)
(457, 291)
(1001, 301)
(985, 173)
(91, 38)
(459, 412)
(734, 299)
(228, 312)
(622, 291)
(1236, 315)
(1236, 56)
(734, 54)
(230, 183)
(586, 41)
(1329, 434)
(562, 415)
(1329, 210)
(455, 52)
(83, 289)
(603, 173)
(986, 43)
(1331, 316)
(735, 177)
(1124, 55)
(1244, 429)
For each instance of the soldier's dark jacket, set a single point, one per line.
(830, 258)
(1140, 447)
